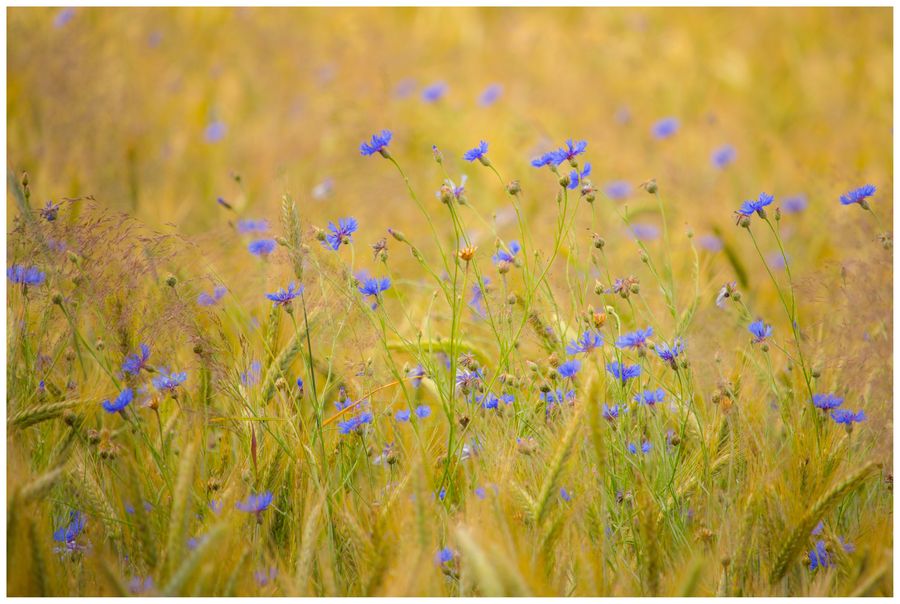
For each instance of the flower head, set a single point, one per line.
(610, 413)
(576, 177)
(490, 95)
(168, 382)
(354, 424)
(434, 92)
(569, 368)
(760, 330)
(283, 297)
(477, 153)
(748, 208)
(617, 190)
(650, 397)
(25, 275)
(794, 205)
(858, 195)
(670, 353)
(134, 363)
(623, 372)
(544, 160)
(423, 411)
(565, 495)
(826, 402)
(510, 256)
(68, 533)
(378, 144)
(445, 556)
(372, 287)
(568, 153)
(723, 156)
(50, 211)
(402, 415)
(255, 503)
(123, 400)
(819, 557)
(215, 131)
(245, 226)
(262, 247)
(589, 340)
(205, 299)
(341, 233)
(645, 447)
(847, 417)
(635, 339)
(665, 128)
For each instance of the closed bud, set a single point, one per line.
(397, 235)
(57, 299)
(777, 214)
(282, 241)
(319, 234)
(816, 372)
(198, 348)
(599, 241)
(171, 281)
(99, 345)
(511, 299)
(514, 188)
(644, 258)
(736, 296)
(24, 179)
(438, 156)
(651, 186)
(564, 180)
(745, 222)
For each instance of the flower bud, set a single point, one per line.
(599, 241)
(514, 188)
(171, 281)
(564, 180)
(397, 235)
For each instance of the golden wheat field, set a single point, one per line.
(449, 302)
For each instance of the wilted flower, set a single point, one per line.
(50, 211)
(728, 290)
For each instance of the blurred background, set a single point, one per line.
(153, 111)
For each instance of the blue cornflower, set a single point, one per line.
(480, 492)
(252, 226)
(848, 547)
(644, 232)
(610, 413)
(589, 340)
(569, 152)
(794, 205)
(492, 401)
(402, 415)
(510, 256)
(378, 144)
(817, 530)
(300, 385)
(636, 339)
(670, 353)
(372, 287)
(617, 190)
(858, 196)
(205, 299)
(576, 177)
(134, 363)
(68, 534)
(556, 398)
(847, 417)
(341, 233)
(623, 372)
(251, 376)
(819, 557)
(723, 156)
(569, 368)
(50, 211)
(415, 375)
(565, 495)
(283, 297)
(645, 447)
(477, 297)
(423, 411)
(168, 382)
(445, 556)
(650, 397)
(25, 275)
(665, 128)
(123, 400)
(490, 95)
(355, 423)
(442, 494)
(468, 380)
(544, 160)
(255, 503)
(477, 153)
(215, 131)
(749, 207)
(826, 402)
(760, 330)
(434, 92)
(262, 247)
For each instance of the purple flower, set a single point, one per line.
(576, 177)
(372, 288)
(262, 247)
(445, 556)
(245, 226)
(749, 207)
(423, 411)
(565, 495)
(168, 382)
(818, 557)
(623, 372)
(68, 533)
(618, 190)
(670, 353)
(504, 256)
(569, 152)
(826, 402)
(341, 233)
(284, 297)
(644, 232)
(665, 128)
(477, 153)
(434, 92)
(569, 368)
(723, 156)
(255, 503)
(636, 339)
(847, 417)
(650, 397)
(134, 363)
(858, 195)
(794, 205)
(490, 95)
(378, 144)
(761, 331)
(589, 340)
(354, 424)
(123, 400)
(402, 415)
(25, 275)
(710, 243)
(204, 299)
(63, 17)
(610, 413)
(215, 131)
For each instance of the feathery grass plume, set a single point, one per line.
(309, 543)
(31, 416)
(290, 224)
(798, 537)
(279, 367)
(39, 487)
(555, 466)
(175, 536)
